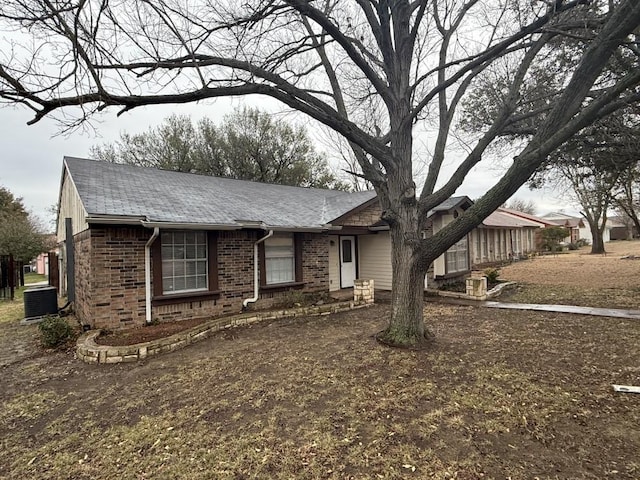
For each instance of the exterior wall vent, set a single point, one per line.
(39, 302)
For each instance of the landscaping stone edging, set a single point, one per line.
(89, 351)
(494, 292)
(497, 290)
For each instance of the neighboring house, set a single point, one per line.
(621, 228)
(42, 264)
(374, 249)
(504, 235)
(580, 227)
(576, 226)
(541, 222)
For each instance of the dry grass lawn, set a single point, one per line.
(500, 394)
(517, 395)
(578, 278)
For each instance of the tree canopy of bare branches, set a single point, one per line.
(371, 70)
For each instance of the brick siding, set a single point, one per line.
(110, 276)
(82, 271)
(363, 218)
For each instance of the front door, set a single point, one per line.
(347, 261)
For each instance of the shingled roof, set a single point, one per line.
(160, 196)
(504, 219)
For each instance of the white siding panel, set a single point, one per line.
(375, 259)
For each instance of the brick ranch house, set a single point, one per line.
(151, 245)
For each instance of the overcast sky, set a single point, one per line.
(31, 159)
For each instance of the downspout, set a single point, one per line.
(256, 279)
(147, 273)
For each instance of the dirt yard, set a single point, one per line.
(578, 278)
(517, 395)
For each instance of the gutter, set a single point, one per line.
(113, 220)
(190, 226)
(147, 273)
(256, 280)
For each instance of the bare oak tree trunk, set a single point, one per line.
(406, 326)
(597, 244)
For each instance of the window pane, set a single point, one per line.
(167, 268)
(184, 261)
(167, 284)
(279, 270)
(190, 267)
(346, 251)
(178, 269)
(456, 257)
(190, 283)
(178, 252)
(178, 284)
(279, 259)
(167, 238)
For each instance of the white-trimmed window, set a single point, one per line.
(457, 258)
(485, 245)
(279, 259)
(184, 261)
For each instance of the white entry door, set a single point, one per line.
(347, 261)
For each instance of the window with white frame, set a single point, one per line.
(184, 261)
(457, 259)
(485, 245)
(279, 259)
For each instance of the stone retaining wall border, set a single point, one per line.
(89, 351)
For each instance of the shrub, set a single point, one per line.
(453, 287)
(573, 246)
(297, 298)
(492, 274)
(55, 331)
(553, 236)
(583, 242)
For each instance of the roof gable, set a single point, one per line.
(501, 218)
(527, 216)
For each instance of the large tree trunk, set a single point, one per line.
(597, 245)
(406, 326)
(636, 225)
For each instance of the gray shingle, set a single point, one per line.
(164, 196)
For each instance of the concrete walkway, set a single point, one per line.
(599, 312)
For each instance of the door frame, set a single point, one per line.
(354, 256)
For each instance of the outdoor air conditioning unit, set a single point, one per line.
(40, 301)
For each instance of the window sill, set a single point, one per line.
(278, 287)
(185, 297)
